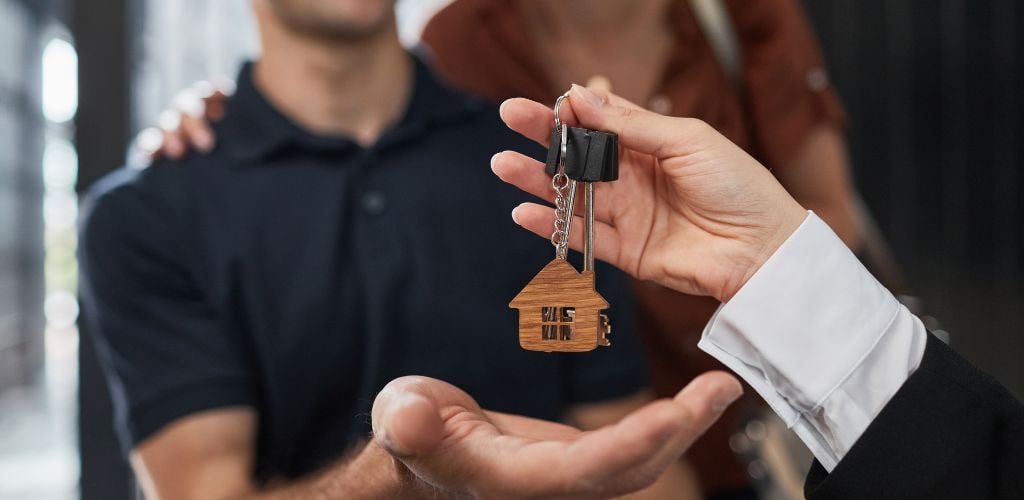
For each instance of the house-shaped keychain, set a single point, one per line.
(560, 310)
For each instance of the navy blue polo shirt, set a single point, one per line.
(297, 274)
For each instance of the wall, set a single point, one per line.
(21, 193)
(935, 96)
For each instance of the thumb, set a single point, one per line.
(638, 129)
(699, 405)
(707, 396)
(406, 421)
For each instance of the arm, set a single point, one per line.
(210, 455)
(950, 432)
(180, 383)
(697, 214)
(678, 481)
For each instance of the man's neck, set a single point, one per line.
(350, 88)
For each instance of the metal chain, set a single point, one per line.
(560, 238)
(560, 182)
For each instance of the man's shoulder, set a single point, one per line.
(133, 198)
(127, 183)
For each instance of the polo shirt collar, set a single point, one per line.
(252, 129)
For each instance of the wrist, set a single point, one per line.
(374, 473)
(767, 243)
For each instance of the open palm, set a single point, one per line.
(454, 447)
(690, 209)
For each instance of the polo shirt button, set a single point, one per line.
(374, 202)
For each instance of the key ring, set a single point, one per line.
(560, 181)
(558, 105)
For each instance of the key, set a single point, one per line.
(560, 309)
(591, 155)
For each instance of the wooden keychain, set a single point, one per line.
(560, 309)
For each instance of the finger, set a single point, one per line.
(708, 395)
(585, 463)
(191, 107)
(625, 447)
(197, 132)
(535, 120)
(406, 415)
(540, 220)
(531, 428)
(410, 425)
(150, 142)
(704, 400)
(661, 432)
(531, 119)
(225, 85)
(607, 95)
(188, 102)
(213, 96)
(529, 175)
(636, 127)
(216, 105)
(173, 144)
(524, 173)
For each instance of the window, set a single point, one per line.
(557, 323)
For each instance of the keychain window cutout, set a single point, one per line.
(557, 323)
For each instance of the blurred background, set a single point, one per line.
(934, 92)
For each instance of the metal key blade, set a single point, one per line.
(588, 227)
(570, 203)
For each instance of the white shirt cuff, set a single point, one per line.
(819, 338)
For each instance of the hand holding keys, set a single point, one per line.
(692, 211)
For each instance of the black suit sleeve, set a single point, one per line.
(951, 432)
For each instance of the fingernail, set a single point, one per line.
(501, 108)
(727, 397)
(493, 159)
(385, 442)
(398, 402)
(588, 96)
(225, 85)
(150, 140)
(515, 217)
(189, 102)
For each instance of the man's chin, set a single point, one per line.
(348, 30)
(337, 26)
(338, 19)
